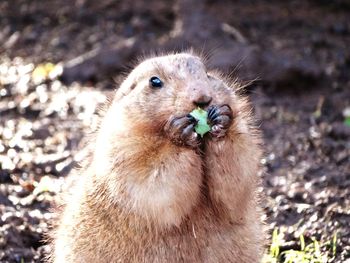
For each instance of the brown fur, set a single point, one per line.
(144, 199)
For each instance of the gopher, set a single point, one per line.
(156, 191)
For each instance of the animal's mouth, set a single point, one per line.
(202, 101)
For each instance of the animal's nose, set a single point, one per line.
(201, 100)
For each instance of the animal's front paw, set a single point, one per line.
(180, 130)
(220, 119)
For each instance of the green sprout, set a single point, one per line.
(314, 252)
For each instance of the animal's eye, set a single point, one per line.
(156, 82)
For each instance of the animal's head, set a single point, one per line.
(171, 85)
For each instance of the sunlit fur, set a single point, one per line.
(141, 198)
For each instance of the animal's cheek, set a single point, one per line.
(221, 98)
(182, 105)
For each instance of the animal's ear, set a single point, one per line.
(125, 88)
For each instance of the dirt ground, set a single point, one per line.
(301, 103)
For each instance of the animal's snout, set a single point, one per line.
(201, 100)
(200, 97)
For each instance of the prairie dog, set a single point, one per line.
(155, 191)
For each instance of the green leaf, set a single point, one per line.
(347, 121)
(201, 116)
(334, 244)
(302, 242)
(275, 248)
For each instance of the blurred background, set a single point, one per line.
(60, 60)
